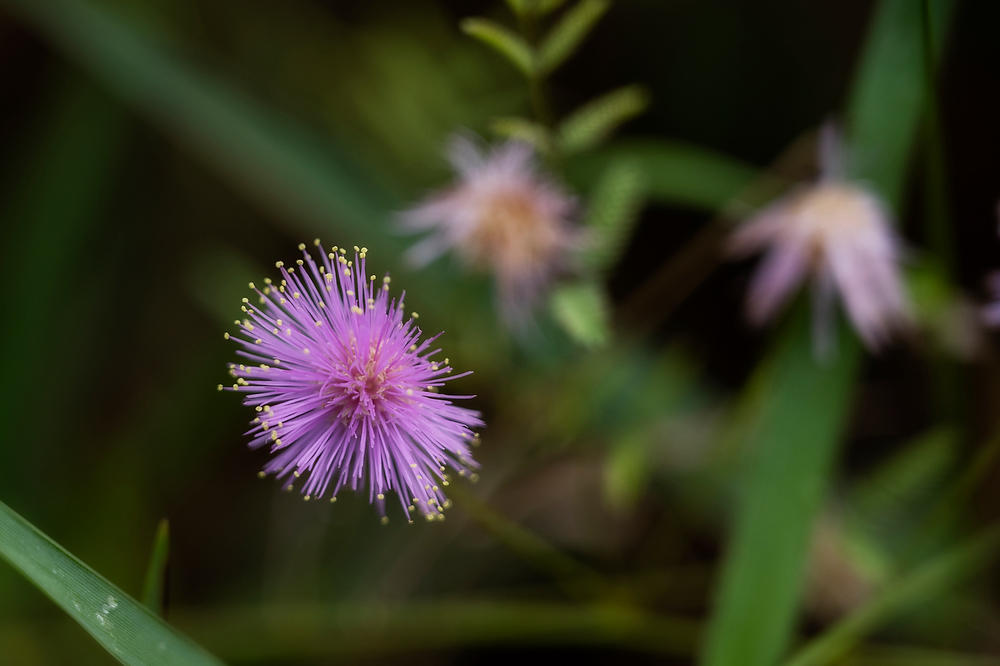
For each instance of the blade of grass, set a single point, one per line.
(803, 410)
(153, 587)
(796, 439)
(120, 624)
(269, 158)
(916, 588)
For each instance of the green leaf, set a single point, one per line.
(674, 173)
(806, 404)
(502, 40)
(912, 591)
(627, 470)
(582, 310)
(612, 211)
(567, 34)
(890, 91)
(118, 622)
(522, 129)
(152, 588)
(791, 450)
(596, 120)
(532, 8)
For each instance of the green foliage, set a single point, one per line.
(120, 624)
(596, 120)
(568, 33)
(153, 586)
(785, 484)
(280, 164)
(582, 310)
(909, 592)
(674, 174)
(522, 129)
(503, 41)
(614, 207)
(790, 456)
(532, 8)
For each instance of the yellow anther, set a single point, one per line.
(384, 520)
(219, 387)
(302, 246)
(306, 498)
(380, 496)
(258, 341)
(267, 280)
(357, 249)
(305, 350)
(279, 264)
(316, 242)
(261, 474)
(415, 315)
(296, 295)
(319, 323)
(225, 335)
(296, 474)
(299, 262)
(259, 408)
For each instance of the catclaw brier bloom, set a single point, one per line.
(503, 217)
(345, 391)
(840, 234)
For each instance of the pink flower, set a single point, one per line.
(345, 392)
(503, 217)
(840, 235)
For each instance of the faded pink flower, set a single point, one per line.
(501, 216)
(840, 235)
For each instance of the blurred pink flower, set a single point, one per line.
(840, 235)
(501, 216)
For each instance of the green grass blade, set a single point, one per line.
(909, 592)
(890, 90)
(597, 119)
(295, 173)
(153, 586)
(118, 622)
(568, 33)
(806, 403)
(792, 449)
(503, 41)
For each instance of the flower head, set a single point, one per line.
(839, 234)
(502, 217)
(345, 391)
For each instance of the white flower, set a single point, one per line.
(503, 217)
(840, 235)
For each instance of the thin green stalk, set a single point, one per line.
(322, 631)
(576, 578)
(928, 580)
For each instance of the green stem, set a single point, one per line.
(576, 578)
(281, 633)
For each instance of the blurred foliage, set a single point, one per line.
(658, 481)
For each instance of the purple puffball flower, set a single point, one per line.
(839, 234)
(500, 216)
(344, 389)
